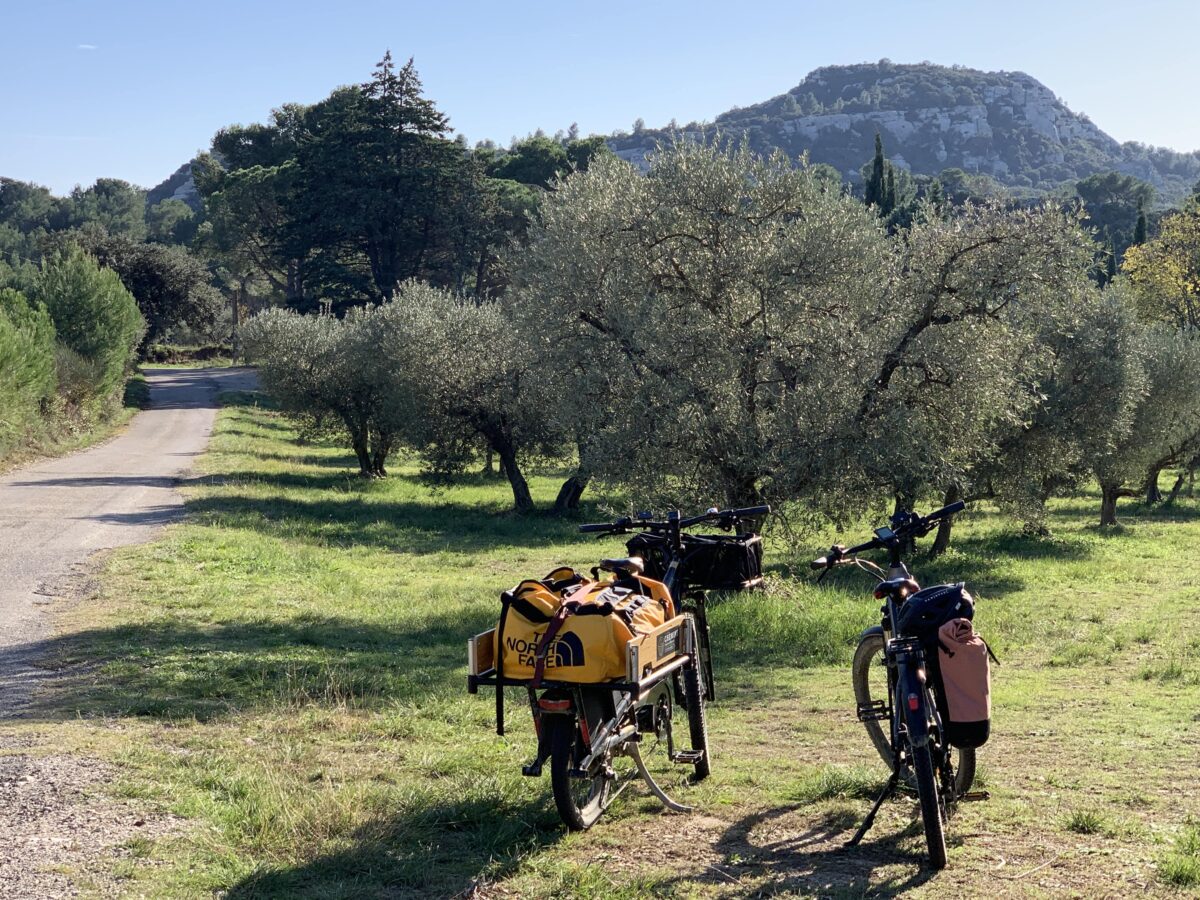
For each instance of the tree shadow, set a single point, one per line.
(814, 860)
(167, 670)
(359, 514)
(447, 849)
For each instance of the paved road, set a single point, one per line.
(55, 514)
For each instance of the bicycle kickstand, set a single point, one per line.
(658, 792)
(870, 819)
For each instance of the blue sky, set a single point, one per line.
(132, 88)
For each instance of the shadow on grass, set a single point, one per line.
(341, 519)
(171, 671)
(449, 849)
(761, 849)
(1130, 512)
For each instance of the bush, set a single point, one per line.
(94, 316)
(27, 373)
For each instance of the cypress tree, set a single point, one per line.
(1110, 271)
(1139, 230)
(889, 193)
(875, 185)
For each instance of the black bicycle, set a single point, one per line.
(692, 564)
(915, 744)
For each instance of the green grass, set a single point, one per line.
(286, 672)
(1181, 865)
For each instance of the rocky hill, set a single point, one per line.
(179, 186)
(1007, 125)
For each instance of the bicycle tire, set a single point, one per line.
(697, 714)
(931, 807)
(867, 654)
(575, 816)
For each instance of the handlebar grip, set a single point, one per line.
(604, 526)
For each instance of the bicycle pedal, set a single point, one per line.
(974, 795)
(532, 770)
(687, 757)
(873, 711)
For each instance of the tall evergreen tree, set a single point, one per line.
(875, 183)
(889, 193)
(1139, 230)
(1110, 265)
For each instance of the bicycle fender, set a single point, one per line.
(874, 630)
(912, 683)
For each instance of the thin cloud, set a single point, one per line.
(87, 47)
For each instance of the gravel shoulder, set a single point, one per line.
(62, 831)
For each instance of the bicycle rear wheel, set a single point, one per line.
(870, 678)
(580, 801)
(931, 805)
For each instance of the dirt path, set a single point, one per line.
(57, 513)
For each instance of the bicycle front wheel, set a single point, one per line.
(693, 690)
(870, 677)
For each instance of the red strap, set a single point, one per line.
(569, 606)
(543, 647)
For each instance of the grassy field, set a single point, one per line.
(286, 674)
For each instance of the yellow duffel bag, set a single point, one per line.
(588, 623)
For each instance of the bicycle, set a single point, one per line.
(692, 564)
(583, 729)
(915, 745)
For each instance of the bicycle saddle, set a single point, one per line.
(629, 565)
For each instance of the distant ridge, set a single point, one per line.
(1007, 125)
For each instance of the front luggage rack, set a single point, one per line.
(874, 711)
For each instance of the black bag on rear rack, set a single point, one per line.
(711, 562)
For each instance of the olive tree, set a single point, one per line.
(457, 371)
(323, 370)
(1165, 429)
(959, 332)
(704, 323)
(1089, 384)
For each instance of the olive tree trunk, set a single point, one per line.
(1109, 493)
(570, 492)
(941, 542)
(522, 499)
(1153, 494)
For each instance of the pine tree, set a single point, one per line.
(936, 196)
(875, 184)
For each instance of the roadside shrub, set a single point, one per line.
(94, 316)
(27, 375)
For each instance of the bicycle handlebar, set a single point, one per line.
(911, 525)
(622, 526)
